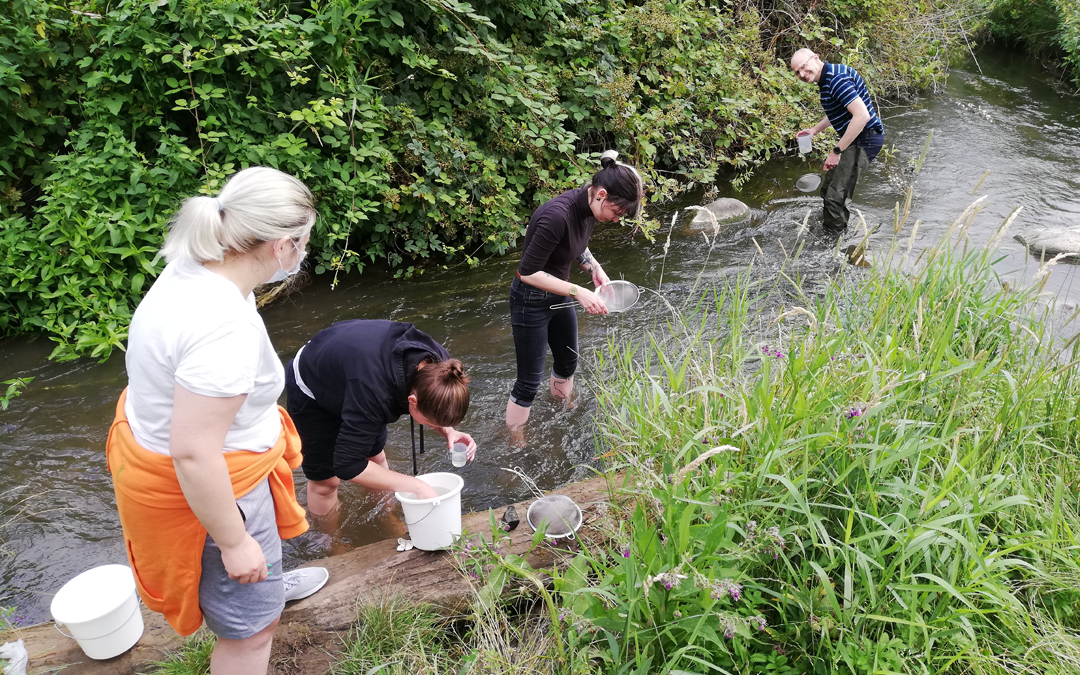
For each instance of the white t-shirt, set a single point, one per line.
(195, 329)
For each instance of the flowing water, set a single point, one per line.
(1012, 120)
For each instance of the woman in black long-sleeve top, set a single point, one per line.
(557, 236)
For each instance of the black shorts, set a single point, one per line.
(318, 430)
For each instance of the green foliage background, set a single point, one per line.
(426, 128)
(1049, 28)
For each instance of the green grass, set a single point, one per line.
(888, 471)
(396, 637)
(193, 658)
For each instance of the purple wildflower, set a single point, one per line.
(626, 550)
(729, 629)
(854, 412)
(668, 580)
(761, 623)
(726, 587)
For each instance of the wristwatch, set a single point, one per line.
(573, 290)
(837, 150)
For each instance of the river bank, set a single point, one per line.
(313, 631)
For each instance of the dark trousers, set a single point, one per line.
(838, 185)
(537, 328)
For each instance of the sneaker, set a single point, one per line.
(304, 582)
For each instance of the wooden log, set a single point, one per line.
(370, 571)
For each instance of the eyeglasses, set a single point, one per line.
(616, 212)
(808, 60)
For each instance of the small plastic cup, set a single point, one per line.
(806, 143)
(459, 455)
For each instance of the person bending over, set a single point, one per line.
(350, 381)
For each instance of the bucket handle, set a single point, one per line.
(434, 504)
(138, 604)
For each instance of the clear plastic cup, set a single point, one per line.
(806, 143)
(459, 454)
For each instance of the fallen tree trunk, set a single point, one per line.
(309, 631)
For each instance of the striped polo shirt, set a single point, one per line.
(838, 86)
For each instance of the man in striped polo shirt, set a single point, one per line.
(848, 110)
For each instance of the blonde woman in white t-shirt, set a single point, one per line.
(200, 453)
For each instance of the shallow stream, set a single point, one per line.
(1013, 120)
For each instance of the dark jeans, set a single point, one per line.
(838, 185)
(536, 327)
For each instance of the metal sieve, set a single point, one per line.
(618, 295)
(557, 515)
(808, 182)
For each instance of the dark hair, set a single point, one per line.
(442, 392)
(622, 182)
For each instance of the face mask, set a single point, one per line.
(283, 274)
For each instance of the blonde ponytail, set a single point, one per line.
(256, 205)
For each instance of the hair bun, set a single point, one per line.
(608, 158)
(455, 369)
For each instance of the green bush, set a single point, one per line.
(428, 130)
(1044, 27)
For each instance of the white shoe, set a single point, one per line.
(304, 582)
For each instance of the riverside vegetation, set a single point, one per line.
(428, 130)
(878, 478)
(1046, 28)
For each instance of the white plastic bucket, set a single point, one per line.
(806, 144)
(434, 523)
(100, 609)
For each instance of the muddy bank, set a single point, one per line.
(311, 630)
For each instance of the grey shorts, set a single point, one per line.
(232, 610)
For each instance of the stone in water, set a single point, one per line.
(1052, 242)
(726, 211)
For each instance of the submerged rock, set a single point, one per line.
(727, 211)
(857, 255)
(1051, 242)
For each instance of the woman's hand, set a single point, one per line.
(455, 436)
(591, 302)
(599, 276)
(244, 561)
(422, 490)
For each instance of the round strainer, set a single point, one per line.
(557, 515)
(619, 295)
(808, 182)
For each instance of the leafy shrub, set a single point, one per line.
(428, 130)
(1049, 28)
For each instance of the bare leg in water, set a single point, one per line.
(325, 508)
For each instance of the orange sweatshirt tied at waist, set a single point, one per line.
(164, 538)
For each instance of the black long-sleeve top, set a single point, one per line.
(362, 371)
(558, 233)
